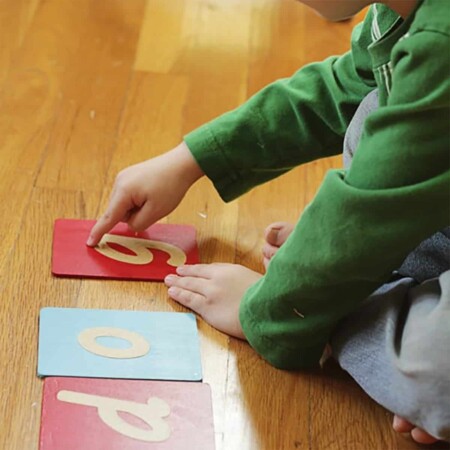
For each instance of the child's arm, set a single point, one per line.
(290, 122)
(248, 146)
(362, 224)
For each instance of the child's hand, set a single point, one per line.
(146, 192)
(214, 291)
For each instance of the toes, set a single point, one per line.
(284, 233)
(422, 437)
(400, 425)
(277, 233)
(269, 250)
(275, 237)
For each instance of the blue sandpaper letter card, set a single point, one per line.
(95, 343)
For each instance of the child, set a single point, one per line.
(387, 102)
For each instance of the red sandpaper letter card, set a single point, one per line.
(151, 255)
(103, 414)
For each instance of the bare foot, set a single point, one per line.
(420, 436)
(214, 291)
(275, 235)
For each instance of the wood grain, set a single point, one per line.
(89, 87)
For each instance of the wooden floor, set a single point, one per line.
(88, 87)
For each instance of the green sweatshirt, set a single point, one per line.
(363, 222)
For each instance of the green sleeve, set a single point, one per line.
(363, 222)
(290, 122)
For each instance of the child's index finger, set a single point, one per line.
(118, 207)
(101, 227)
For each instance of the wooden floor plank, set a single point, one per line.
(15, 20)
(90, 87)
(27, 286)
(29, 103)
(162, 38)
(93, 96)
(351, 419)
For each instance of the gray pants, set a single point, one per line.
(396, 345)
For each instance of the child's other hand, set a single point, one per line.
(214, 291)
(146, 192)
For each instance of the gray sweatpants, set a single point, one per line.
(396, 345)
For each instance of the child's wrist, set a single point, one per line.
(189, 169)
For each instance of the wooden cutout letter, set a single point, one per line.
(87, 339)
(140, 248)
(151, 412)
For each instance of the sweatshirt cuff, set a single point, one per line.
(209, 156)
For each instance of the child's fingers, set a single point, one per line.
(187, 298)
(196, 270)
(191, 284)
(142, 218)
(118, 208)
